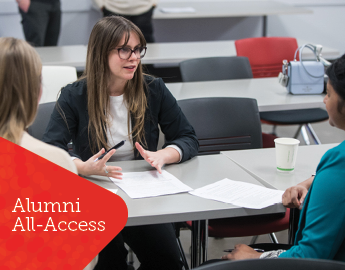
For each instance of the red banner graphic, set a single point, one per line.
(51, 218)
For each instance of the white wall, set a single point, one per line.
(78, 18)
(324, 26)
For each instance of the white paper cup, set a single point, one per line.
(286, 154)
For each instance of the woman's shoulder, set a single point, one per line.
(333, 160)
(152, 82)
(155, 86)
(337, 152)
(74, 94)
(52, 153)
(78, 87)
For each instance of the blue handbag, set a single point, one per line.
(303, 77)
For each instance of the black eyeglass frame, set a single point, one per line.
(132, 51)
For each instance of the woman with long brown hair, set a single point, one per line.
(115, 101)
(20, 91)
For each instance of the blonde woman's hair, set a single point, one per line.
(20, 83)
(106, 35)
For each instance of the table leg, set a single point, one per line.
(199, 242)
(264, 26)
(293, 224)
(204, 241)
(195, 243)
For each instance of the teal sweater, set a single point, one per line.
(321, 233)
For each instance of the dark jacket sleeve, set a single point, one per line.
(69, 121)
(172, 121)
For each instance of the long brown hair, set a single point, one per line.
(105, 37)
(20, 83)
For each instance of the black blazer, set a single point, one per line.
(162, 110)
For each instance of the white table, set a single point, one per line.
(176, 52)
(261, 164)
(214, 9)
(195, 173)
(218, 9)
(73, 55)
(270, 95)
(159, 53)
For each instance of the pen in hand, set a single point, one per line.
(256, 249)
(114, 147)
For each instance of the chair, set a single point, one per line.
(220, 68)
(53, 79)
(224, 68)
(274, 264)
(215, 68)
(230, 124)
(40, 124)
(223, 124)
(265, 55)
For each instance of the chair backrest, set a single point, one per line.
(215, 68)
(40, 124)
(224, 123)
(274, 264)
(266, 54)
(53, 79)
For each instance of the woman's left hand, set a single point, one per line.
(155, 159)
(242, 252)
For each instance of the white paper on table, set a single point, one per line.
(178, 10)
(150, 184)
(240, 194)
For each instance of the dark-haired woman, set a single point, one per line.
(321, 228)
(115, 101)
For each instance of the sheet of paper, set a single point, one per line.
(150, 184)
(240, 194)
(178, 10)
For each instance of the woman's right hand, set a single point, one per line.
(99, 167)
(294, 196)
(24, 5)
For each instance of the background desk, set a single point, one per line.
(74, 55)
(270, 95)
(228, 9)
(261, 164)
(159, 53)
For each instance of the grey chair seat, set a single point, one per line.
(42, 119)
(295, 117)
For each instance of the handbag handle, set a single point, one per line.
(300, 49)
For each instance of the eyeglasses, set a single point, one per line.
(125, 53)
